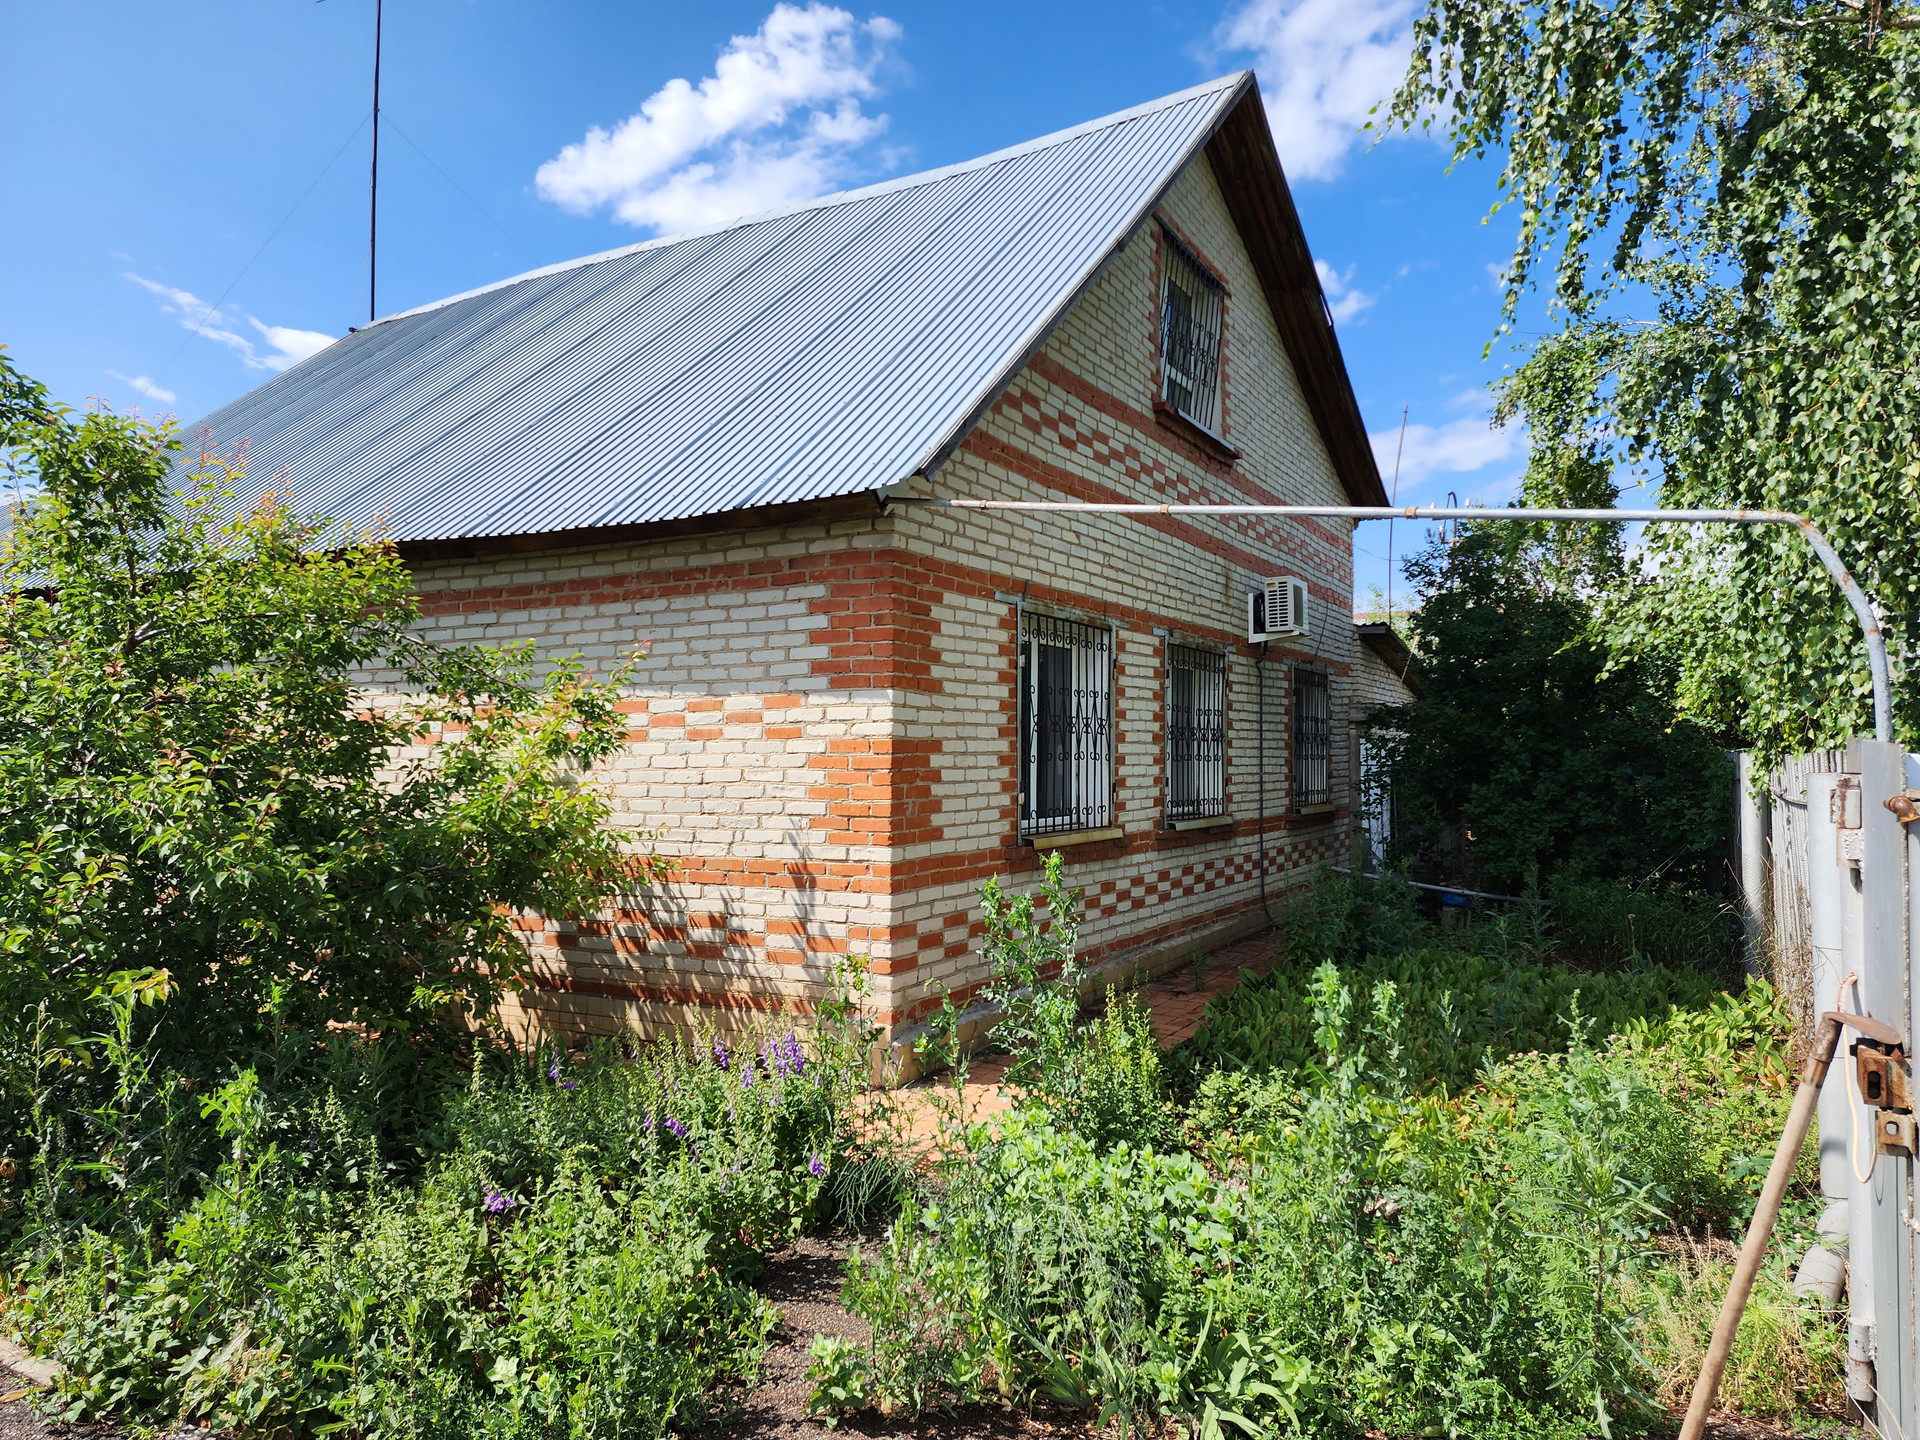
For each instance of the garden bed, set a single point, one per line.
(1402, 1178)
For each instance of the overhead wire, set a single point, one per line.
(485, 214)
(214, 308)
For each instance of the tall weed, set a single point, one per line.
(565, 1250)
(1461, 1010)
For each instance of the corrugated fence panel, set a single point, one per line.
(1792, 915)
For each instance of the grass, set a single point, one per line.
(1430, 1183)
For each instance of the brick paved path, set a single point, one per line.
(1173, 1002)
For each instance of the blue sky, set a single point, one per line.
(186, 185)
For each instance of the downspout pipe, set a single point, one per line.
(1856, 598)
(1260, 686)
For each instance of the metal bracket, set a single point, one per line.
(1885, 1081)
(1893, 1132)
(1844, 808)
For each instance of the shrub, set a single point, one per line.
(1100, 1078)
(1359, 1257)
(1035, 1275)
(1461, 1010)
(1606, 923)
(195, 787)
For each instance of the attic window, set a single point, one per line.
(1190, 308)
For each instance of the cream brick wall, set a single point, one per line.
(823, 731)
(1375, 684)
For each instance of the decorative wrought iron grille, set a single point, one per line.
(1066, 725)
(1312, 739)
(1196, 733)
(1190, 308)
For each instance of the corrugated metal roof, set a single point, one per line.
(833, 348)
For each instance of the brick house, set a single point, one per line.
(855, 710)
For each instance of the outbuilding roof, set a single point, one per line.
(821, 351)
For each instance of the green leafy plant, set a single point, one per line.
(1723, 203)
(1532, 750)
(195, 778)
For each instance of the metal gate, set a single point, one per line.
(1842, 898)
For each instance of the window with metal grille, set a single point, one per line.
(1066, 725)
(1312, 739)
(1196, 733)
(1190, 309)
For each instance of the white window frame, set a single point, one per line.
(1192, 333)
(1312, 765)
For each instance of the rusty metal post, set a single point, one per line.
(1760, 1230)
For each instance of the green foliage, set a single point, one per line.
(1035, 1275)
(1727, 199)
(1114, 1091)
(566, 1247)
(1100, 1078)
(1529, 753)
(1788, 1356)
(1460, 1011)
(194, 780)
(1033, 975)
(1475, 995)
(1357, 1259)
(1605, 923)
(1355, 1247)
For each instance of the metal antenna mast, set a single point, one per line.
(373, 188)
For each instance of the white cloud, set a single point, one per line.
(779, 121)
(146, 386)
(1343, 300)
(288, 345)
(1323, 65)
(1458, 447)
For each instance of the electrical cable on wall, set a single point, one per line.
(1853, 1093)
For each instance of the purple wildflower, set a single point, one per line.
(817, 1168)
(553, 1071)
(679, 1130)
(785, 1057)
(720, 1056)
(497, 1202)
(747, 1077)
(569, 1084)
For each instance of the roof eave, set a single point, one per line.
(937, 455)
(1247, 166)
(1392, 650)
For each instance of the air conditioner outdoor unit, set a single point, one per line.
(1277, 609)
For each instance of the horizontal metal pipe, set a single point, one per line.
(1856, 598)
(1448, 889)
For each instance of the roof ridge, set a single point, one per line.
(842, 197)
